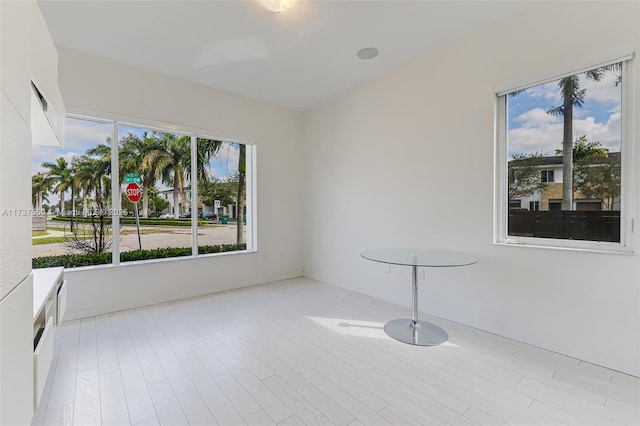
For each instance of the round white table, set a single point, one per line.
(414, 331)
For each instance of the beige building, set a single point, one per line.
(550, 198)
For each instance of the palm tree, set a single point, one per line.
(583, 149)
(101, 154)
(133, 151)
(41, 186)
(169, 163)
(60, 172)
(572, 96)
(583, 152)
(87, 179)
(205, 150)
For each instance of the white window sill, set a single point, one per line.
(602, 250)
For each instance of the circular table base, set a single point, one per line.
(422, 333)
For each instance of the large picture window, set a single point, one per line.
(195, 195)
(71, 194)
(562, 161)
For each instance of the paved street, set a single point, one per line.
(153, 237)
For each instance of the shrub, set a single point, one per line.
(78, 260)
(71, 260)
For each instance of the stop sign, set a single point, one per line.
(133, 192)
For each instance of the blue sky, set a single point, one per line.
(81, 135)
(531, 129)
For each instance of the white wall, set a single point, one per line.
(104, 86)
(397, 140)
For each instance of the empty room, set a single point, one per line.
(301, 212)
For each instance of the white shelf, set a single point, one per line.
(44, 283)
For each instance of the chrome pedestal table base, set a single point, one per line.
(420, 333)
(414, 331)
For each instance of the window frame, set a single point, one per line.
(501, 202)
(116, 120)
(545, 174)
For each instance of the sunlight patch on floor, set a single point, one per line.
(350, 327)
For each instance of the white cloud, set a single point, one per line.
(544, 139)
(49, 155)
(45, 152)
(36, 166)
(604, 90)
(609, 133)
(536, 117)
(82, 134)
(225, 162)
(547, 91)
(69, 156)
(542, 132)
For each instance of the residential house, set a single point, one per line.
(550, 196)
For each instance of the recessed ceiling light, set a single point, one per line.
(367, 53)
(277, 5)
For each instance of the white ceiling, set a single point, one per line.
(298, 59)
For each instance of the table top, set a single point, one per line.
(419, 257)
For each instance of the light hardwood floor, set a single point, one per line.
(300, 352)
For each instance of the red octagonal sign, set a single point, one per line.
(133, 192)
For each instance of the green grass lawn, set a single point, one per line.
(47, 240)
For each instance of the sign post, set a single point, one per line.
(134, 193)
(216, 205)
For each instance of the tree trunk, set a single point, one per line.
(176, 210)
(99, 197)
(145, 201)
(240, 208)
(61, 203)
(73, 202)
(567, 149)
(84, 202)
(73, 208)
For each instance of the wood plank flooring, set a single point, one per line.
(299, 352)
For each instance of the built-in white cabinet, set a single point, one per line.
(42, 358)
(29, 316)
(15, 54)
(47, 108)
(49, 302)
(15, 144)
(15, 194)
(16, 358)
(28, 59)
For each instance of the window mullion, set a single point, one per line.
(500, 186)
(115, 196)
(194, 195)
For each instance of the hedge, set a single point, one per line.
(78, 260)
(132, 221)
